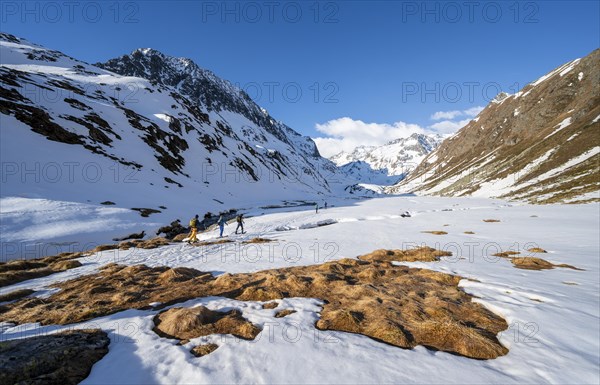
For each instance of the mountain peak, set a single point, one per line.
(397, 157)
(204, 88)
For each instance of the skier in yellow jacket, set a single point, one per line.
(194, 230)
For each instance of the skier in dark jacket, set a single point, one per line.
(316, 208)
(240, 223)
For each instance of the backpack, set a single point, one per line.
(239, 219)
(193, 222)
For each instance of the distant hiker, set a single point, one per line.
(221, 223)
(193, 229)
(240, 223)
(316, 208)
(325, 205)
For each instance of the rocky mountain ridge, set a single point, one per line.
(165, 120)
(540, 145)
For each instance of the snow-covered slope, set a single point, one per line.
(553, 335)
(394, 159)
(74, 132)
(210, 92)
(541, 144)
(363, 172)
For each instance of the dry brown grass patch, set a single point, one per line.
(22, 270)
(270, 305)
(202, 350)
(536, 250)
(147, 244)
(14, 295)
(284, 313)
(435, 232)
(533, 263)
(398, 305)
(100, 248)
(210, 243)
(422, 254)
(180, 237)
(259, 240)
(469, 232)
(187, 323)
(506, 254)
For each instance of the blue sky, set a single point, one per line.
(388, 64)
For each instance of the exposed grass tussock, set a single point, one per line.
(536, 250)
(422, 254)
(435, 232)
(284, 313)
(536, 300)
(532, 263)
(147, 244)
(506, 254)
(469, 232)
(398, 305)
(100, 248)
(180, 237)
(270, 305)
(188, 323)
(211, 243)
(14, 295)
(259, 240)
(491, 220)
(152, 243)
(22, 270)
(202, 350)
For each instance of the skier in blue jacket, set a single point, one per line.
(221, 223)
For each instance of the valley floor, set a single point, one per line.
(553, 315)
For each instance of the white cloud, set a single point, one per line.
(345, 134)
(449, 126)
(473, 111)
(446, 115)
(450, 115)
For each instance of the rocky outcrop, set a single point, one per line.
(62, 359)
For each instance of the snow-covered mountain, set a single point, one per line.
(541, 144)
(389, 162)
(164, 138)
(180, 130)
(208, 91)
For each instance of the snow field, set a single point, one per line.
(553, 315)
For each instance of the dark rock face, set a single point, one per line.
(544, 139)
(62, 359)
(202, 87)
(182, 115)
